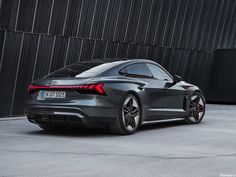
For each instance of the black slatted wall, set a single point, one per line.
(40, 36)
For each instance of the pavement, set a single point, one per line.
(160, 150)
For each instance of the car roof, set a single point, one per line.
(118, 62)
(121, 60)
(116, 65)
(126, 61)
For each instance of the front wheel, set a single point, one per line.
(197, 109)
(129, 116)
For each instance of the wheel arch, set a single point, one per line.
(197, 91)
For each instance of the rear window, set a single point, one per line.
(69, 71)
(96, 70)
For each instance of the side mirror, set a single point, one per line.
(177, 79)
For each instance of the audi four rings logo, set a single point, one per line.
(53, 83)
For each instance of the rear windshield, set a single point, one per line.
(70, 71)
(96, 70)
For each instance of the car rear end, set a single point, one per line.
(70, 102)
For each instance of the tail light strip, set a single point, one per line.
(98, 88)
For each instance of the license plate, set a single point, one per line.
(55, 94)
(44, 94)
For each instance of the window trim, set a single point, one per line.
(137, 75)
(163, 69)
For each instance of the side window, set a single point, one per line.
(136, 70)
(159, 73)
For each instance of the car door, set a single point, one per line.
(152, 95)
(171, 96)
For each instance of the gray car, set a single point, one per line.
(121, 95)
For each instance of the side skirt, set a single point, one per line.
(160, 121)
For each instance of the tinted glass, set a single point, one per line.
(139, 70)
(158, 72)
(96, 70)
(69, 71)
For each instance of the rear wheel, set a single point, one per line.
(197, 109)
(129, 116)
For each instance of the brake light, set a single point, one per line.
(88, 88)
(99, 88)
(32, 88)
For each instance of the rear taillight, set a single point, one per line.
(90, 88)
(87, 88)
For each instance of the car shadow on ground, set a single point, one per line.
(81, 132)
(102, 132)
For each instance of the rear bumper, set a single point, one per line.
(69, 115)
(75, 108)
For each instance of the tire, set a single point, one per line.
(197, 108)
(129, 116)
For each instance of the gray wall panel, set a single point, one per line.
(43, 15)
(111, 50)
(10, 65)
(73, 51)
(190, 24)
(26, 15)
(110, 25)
(59, 53)
(222, 84)
(58, 16)
(99, 49)
(85, 21)
(123, 17)
(133, 21)
(2, 45)
(86, 49)
(99, 18)
(25, 71)
(73, 17)
(44, 55)
(155, 12)
(9, 13)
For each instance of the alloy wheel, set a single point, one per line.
(197, 108)
(130, 113)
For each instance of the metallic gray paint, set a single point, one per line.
(158, 99)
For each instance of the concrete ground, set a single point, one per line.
(161, 150)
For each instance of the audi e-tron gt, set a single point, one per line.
(120, 95)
